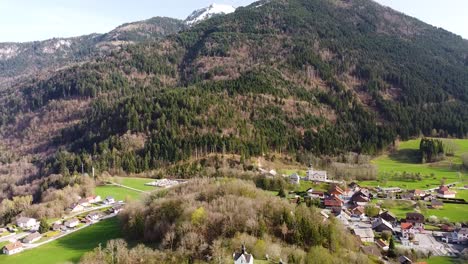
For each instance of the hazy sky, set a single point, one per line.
(27, 20)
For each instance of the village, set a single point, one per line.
(26, 233)
(379, 229)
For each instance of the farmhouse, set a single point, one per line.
(416, 219)
(389, 217)
(76, 207)
(72, 223)
(313, 175)
(365, 234)
(358, 211)
(109, 200)
(333, 202)
(295, 179)
(315, 194)
(407, 229)
(26, 222)
(93, 199)
(93, 216)
(380, 225)
(436, 204)
(56, 226)
(445, 192)
(335, 190)
(13, 248)
(417, 193)
(360, 198)
(243, 257)
(31, 238)
(462, 236)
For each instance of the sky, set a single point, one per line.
(29, 20)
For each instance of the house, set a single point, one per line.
(436, 204)
(315, 194)
(347, 194)
(333, 201)
(380, 225)
(295, 179)
(93, 199)
(365, 234)
(404, 260)
(354, 187)
(314, 175)
(13, 248)
(93, 216)
(26, 222)
(382, 244)
(56, 226)
(360, 198)
(445, 192)
(116, 209)
(390, 189)
(335, 190)
(344, 217)
(389, 217)
(76, 207)
(416, 219)
(358, 211)
(462, 236)
(109, 200)
(407, 229)
(83, 202)
(243, 257)
(31, 238)
(72, 223)
(417, 193)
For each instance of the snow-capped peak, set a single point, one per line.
(208, 12)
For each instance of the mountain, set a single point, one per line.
(19, 60)
(208, 12)
(297, 77)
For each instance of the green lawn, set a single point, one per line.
(69, 248)
(406, 160)
(119, 193)
(462, 194)
(454, 212)
(398, 208)
(136, 183)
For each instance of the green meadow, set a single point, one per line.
(406, 159)
(69, 248)
(136, 183)
(119, 193)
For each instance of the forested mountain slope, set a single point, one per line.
(23, 59)
(297, 76)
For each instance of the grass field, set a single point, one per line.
(69, 248)
(406, 160)
(137, 183)
(454, 212)
(442, 260)
(119, 193)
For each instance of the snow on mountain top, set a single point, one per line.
(208, 12)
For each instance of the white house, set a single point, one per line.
(72, 223)
(243, 257)
(462, 236)
(313, 175)
(445, 192)
(13, 248)
(26, 222)
(295, 178)
(93, 199)
(76, 207)
(109, 200)
(93, 216)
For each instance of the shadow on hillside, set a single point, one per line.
(406, 156)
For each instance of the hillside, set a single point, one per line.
(295, 77)
(20, 60)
